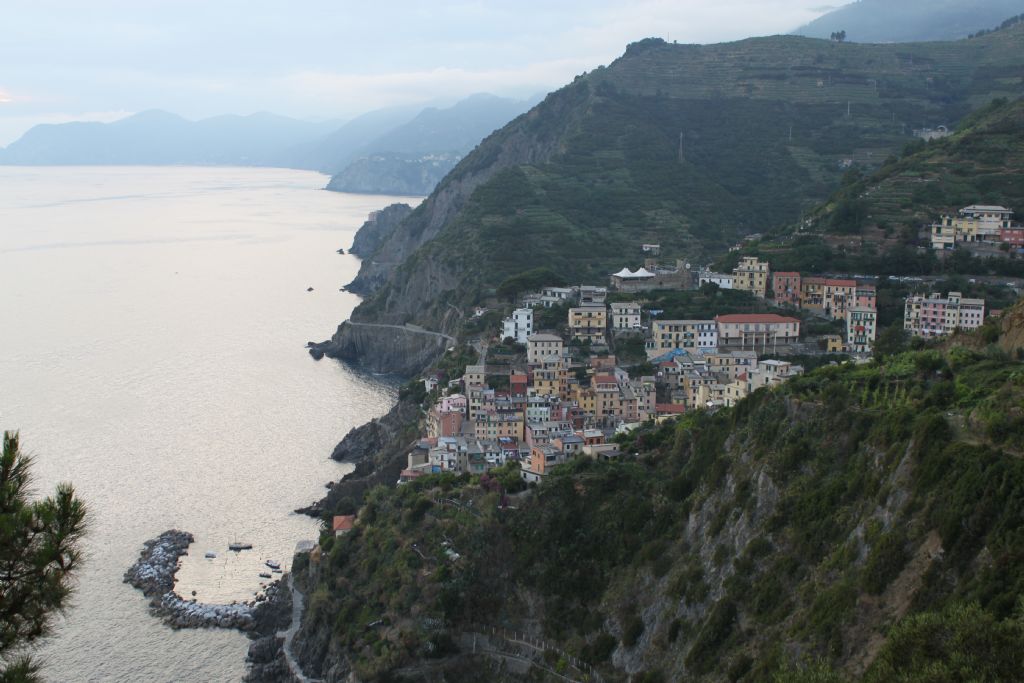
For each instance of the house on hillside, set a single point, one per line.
(342, 524)
(972, 224)
(751, 275)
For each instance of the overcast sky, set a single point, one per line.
(322, 59)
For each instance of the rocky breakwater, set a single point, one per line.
(153, 574)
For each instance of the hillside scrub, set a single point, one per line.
(879, 498)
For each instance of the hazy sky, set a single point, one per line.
(318, 59)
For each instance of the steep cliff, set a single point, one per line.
(400, 350)
(377, 228)
(857, 516)
(690, 147)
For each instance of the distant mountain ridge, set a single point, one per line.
(902, 21)
(412, 158)
(399, 150)
(157, 137)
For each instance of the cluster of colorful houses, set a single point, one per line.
(555, 407)
(569, 396)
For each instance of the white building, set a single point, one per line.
(626, 316)
(684, 334)
(519, 326)
(556, 296)
(723, 280)
(861, 323)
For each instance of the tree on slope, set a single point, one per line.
(39, 552)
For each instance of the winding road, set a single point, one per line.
(416, 329)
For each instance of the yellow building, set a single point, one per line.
(494, 425)
(974, 223)
(585, 398)
(588, 323)
(833, 343)
(751, 275)
(551, 379)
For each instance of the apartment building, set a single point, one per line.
(518, 326)
(626, 315)
(667, 335)
(934, 315)
(751, 275)
(588, 323)
(861, 324)
(757, 330)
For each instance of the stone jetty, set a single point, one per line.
(154, 572)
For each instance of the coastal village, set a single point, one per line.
(554, 394)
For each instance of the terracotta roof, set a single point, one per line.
(754, 318)
(344, 522)
(670, 409)
(787, 273)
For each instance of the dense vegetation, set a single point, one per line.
(873, 222)
(868, 517)
(690, 147)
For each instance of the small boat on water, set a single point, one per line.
(273, 564)
(210, 554)
(239, 545)
(265, 575)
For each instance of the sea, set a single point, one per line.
(153, 323)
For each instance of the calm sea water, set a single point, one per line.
(152, 325)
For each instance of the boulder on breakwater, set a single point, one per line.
(154, 572)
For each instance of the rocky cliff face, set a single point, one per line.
(378, 450)
(518, 143)
(378, 228)
(380, 348)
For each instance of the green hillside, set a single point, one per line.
(578, 183)
(873, 223)
(864, 520)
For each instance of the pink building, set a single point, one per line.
(456, 403)
(934, 316)
(866, 297)
(1014, 236)
(786, 287)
